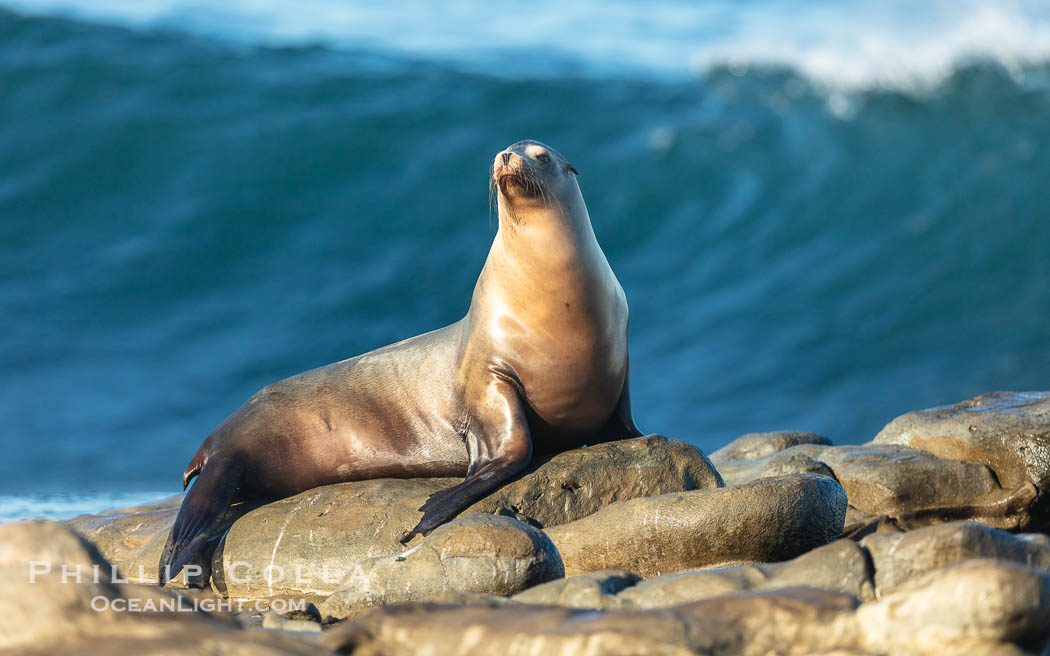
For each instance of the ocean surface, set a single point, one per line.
(823, 214)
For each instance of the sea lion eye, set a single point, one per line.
(543, 157)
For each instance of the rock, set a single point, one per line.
(739, 472)
(798, 621)
(859, 523)
(841, 566)
(577, 483)
(903, 556)
(460, 598)
(973, 607)
(690, 586)
(755, 446)
(768, 520)
(757, 455)
(304, 546)
(893, 487)
(45, 609)
(597, 590)
(38, 606)
(133, 538)
(1009, 432)
(274, 620)
(484, 554)
(308, 612)
(250, 620)
(917, 489)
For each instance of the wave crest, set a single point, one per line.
(893, 44)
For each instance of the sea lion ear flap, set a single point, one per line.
(571, 169)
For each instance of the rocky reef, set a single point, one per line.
(929, 539)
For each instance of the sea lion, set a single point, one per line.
(537, 365)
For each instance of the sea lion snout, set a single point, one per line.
(515, 176)
(508, 161)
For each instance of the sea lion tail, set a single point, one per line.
(202, 512)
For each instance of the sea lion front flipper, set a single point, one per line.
(202, 512)
(499, 445)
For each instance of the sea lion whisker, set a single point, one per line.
(546, 201)
(492, 191)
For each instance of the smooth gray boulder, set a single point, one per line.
(770, 519)
(972, 607)
(58, 595)
(755, 446)
(841, 566)
(485, 554)
(901, 557)
(792, 461)
(274, 620)
(1009, 432)
(889, 486)
(917, 489)
(758, 455)
(596, 590)
(579, 482)
(132, 538)
(305, 545)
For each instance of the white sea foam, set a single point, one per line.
(15, 507)
(893, 43)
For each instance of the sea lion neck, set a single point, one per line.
(536, 266)
(544, 241)
(559, 220)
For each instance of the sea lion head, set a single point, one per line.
(528, 176)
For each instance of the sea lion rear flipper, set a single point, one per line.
(201, 513)
(500, 447)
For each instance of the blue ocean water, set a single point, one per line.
(823, 217)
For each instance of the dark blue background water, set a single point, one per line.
(184, 220)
